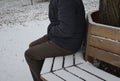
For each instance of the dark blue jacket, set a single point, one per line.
(67, 23)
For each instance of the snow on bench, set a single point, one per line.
(56, 63)
(73, 68)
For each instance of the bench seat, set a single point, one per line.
(73, 68)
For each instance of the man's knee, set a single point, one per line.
(27, 53)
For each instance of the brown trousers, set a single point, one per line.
(40, 49)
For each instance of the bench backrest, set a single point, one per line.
(103, 42)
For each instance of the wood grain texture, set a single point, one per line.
(105, 56)
(106, 40)
(103, 31)
(105, 44)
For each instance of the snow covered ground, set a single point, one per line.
(21, 23)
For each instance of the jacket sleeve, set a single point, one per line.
(66, 19)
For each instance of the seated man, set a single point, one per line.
(65, 34)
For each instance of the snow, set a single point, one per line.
(21, 23)
(15, 12)
(13, 42)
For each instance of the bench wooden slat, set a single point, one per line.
(90, 68)
(79, 58)
(50, 77)
(106, 56)
(83, 74)
(68, 60)
(47, 65)
(67, 76)
(58, 62)
(104, 43)
(108, 32)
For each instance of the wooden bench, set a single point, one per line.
(75, 68)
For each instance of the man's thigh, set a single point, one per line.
(47, 49)
(39, 41)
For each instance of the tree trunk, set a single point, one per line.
(110, 12)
